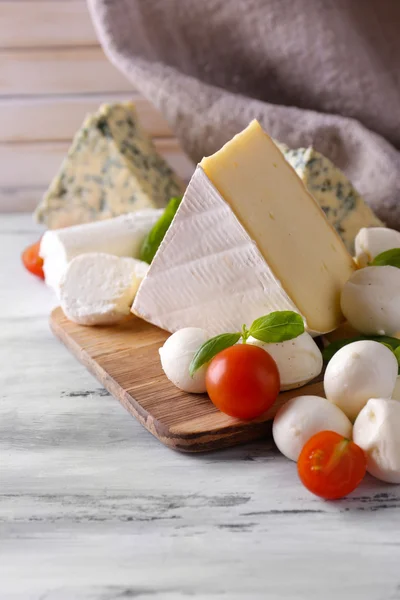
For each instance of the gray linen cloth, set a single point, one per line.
(321, 73)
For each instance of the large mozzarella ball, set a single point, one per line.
(371, 241)
(298, 360)
(377, 432)
(301, 418)
(358, 372)
(370, 300)
(176, 356)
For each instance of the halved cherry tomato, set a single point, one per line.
(243, 381)
(331, 466)
(32, 260)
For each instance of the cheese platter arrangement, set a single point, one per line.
(215, 312)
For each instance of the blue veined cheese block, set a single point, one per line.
(338, 198)
(111, 168)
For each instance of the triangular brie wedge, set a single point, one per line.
(248, 239)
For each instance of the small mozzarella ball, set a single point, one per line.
(371, 241)
(370, 300)
(301, 418)
(298, 360)
(396, 391)
(377, 432)
(358, 372)
(176, 356)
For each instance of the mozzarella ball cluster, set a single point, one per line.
(361, 381)
(361, 385)
(298, 360)
(370, 299)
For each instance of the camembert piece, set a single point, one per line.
(111, 168)
(338, 198)
(98, 288)
(247, 239)
(121, 236)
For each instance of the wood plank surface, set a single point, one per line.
(28, 168)
(48, 118)
(52, 73)
(93, 507)
(59, 71)
(41, 23)
(20, 199)
(124, 358)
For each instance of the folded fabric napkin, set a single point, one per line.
(325, 74)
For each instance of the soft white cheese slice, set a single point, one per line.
(248, 239)
(98, 288)
(121, 236)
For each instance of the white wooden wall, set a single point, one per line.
(52, 72)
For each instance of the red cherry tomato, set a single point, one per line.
(32, 260)
(331, 466)
(243, 381)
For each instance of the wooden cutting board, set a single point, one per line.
(124, 358)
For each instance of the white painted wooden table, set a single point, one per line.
(92, 507)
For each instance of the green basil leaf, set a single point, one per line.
(329, 351)
(211, 348)
(156, 235)
(278, 326)
(389, 257)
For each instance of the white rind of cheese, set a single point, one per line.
(111, 168)
(298, 360)
(342, 204)
(208, 272)
(121, 236)
(376, 431)
(371, 241)
(247, 239)
(98, 288)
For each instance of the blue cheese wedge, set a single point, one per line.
(340, 201)
(111, 168)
